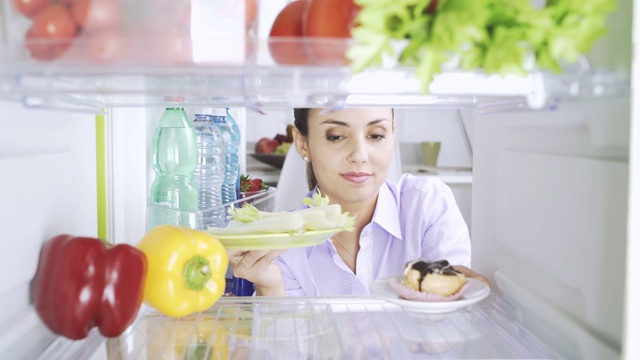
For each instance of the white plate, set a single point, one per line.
(474, 294)
(274, 241)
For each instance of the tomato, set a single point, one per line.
(96, 14)
(329, 19)
(105, 46)
(51, 32)
(285, 38)
(30, 8)
(54, 22)
(43, 49)
(38, 49)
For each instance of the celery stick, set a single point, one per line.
(285, 223)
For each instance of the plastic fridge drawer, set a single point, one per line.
(130, 32)
(327, 328)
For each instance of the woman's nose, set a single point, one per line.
(358, 152)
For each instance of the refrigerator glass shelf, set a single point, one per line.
(90, 89)
(327, 328)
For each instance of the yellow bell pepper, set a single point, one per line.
(186, 269)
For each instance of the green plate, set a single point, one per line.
(275, 241)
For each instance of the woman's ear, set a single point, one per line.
(300, 141)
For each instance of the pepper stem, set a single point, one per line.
(196, 273)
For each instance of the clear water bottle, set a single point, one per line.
(175, 157)
(210, 172)
(236, 129)
(232, 167)
(240, 287)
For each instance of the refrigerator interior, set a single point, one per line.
(550, 223)
(550, 205)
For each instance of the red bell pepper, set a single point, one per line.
(80, 283)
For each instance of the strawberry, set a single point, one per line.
(250, 185)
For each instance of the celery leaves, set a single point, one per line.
(245, 214)
(496, 36)
(319, 216)
(317, 199)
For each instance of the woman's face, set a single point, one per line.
(351, 151)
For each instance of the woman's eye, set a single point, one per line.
(377, 137)
(334, 138)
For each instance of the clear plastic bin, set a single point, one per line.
(263, 200)
(139, 35)
(131, 32)
(329, 328)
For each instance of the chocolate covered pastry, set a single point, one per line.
(436, 277)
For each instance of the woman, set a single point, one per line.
(349, 153)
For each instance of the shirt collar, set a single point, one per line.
(386, 212)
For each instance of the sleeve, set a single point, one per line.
(446, 236)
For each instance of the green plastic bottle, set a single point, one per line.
(174, 193)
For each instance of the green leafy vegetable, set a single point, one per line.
(247, 213)
(317, 199)
(497, 36)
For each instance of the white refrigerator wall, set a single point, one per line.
(550, 218)
(48, 187)
(631, 328)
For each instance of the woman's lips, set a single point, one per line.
(356, 177)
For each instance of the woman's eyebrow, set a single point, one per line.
(342, 123)
(335, 122)
(371, 123)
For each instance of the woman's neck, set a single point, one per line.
(347, 243)
(363, 211)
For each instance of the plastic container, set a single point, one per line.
(232, 166)
(209, 174)
(175, 157)
(131, 32)
(236, 129)
(263, 200)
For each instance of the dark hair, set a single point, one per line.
(301, 122)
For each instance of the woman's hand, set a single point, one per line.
(258, 267)
(472, 274)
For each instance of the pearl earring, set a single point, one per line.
(306, 158)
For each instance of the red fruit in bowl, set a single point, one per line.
(266, 146)
(280, 138)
